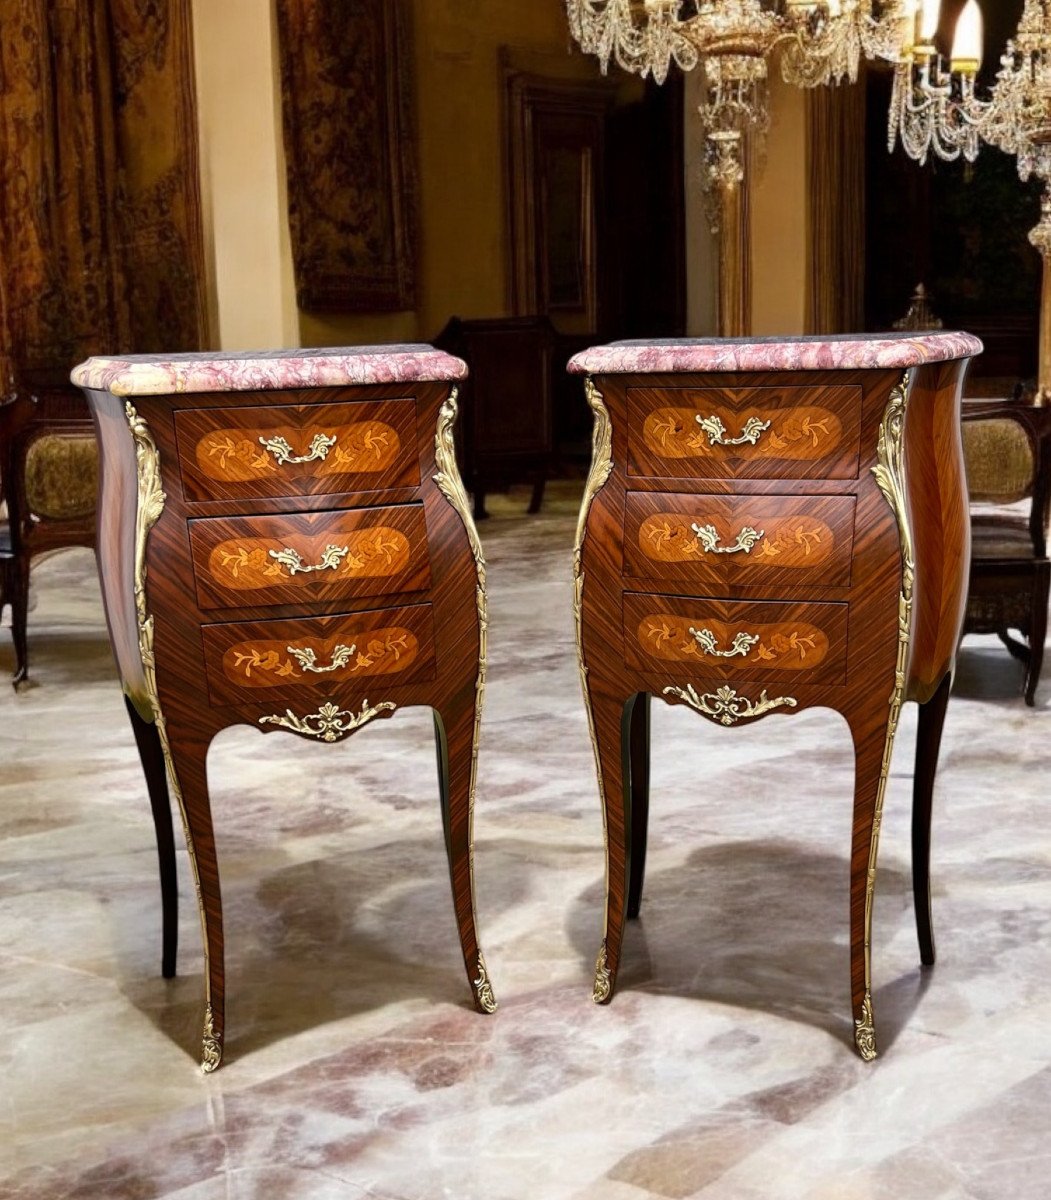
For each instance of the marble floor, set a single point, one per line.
(355, 1068)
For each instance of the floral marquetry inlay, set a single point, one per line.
(247, 563)
(785, 646)
(238, 455)
(260, 664)
(799, 433)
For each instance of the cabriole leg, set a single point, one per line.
(928, 745)
(873, 742)
(611, 717)
(455, 736)
(151, 754)
(189, 756)
(638, 798)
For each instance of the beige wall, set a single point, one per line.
(247, 245)
(778, 221)
(702, 250)
(462, 267)
(779, 235)
(462, 255)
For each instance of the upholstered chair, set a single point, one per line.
(49, 481)
(1007, 446)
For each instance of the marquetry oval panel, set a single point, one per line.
(745, 433)
(692, 638)
(286, 559)
(294, 450)
(315, 656)
(723, 541)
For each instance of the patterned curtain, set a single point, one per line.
(100, 230)
(836, 209)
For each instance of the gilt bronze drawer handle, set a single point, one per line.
(321, 444)
(716, 431)
(292, 559)
(708, 536)
(742, 643)
(307, 658)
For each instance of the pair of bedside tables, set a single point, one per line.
(284, 541)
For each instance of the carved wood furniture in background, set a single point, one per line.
(350, 148)
(507, 432)
(767, 527)
(284, 541)
(1007, 448)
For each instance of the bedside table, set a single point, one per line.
(285, 542)
(770, 526)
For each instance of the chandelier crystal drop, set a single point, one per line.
(816, 42)
(936, 107)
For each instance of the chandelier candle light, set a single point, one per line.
(816, 42)
(937, 107)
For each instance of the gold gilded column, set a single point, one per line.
(726, 178)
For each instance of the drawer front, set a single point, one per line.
(744, 433)
(307, 658)
(736, 640)
(715, 541)
(297, 450)
(309, 557)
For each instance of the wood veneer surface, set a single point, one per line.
(416, 631)
(675, 603)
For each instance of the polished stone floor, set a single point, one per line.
(355, 1068)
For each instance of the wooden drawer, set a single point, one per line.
(309, 658)
(745, 433)
(716, 541)
(297, 450)
(727, 639)
(309, 557)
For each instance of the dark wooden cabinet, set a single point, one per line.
(508, 432)
(285, 542)
(767, 527)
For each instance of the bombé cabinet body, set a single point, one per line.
(284, 541)
(770, 526)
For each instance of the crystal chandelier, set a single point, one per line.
(816, 41)
(935, 106)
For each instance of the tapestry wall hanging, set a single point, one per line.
(346, 73)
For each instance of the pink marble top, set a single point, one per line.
(265, 370)
(847, 352)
